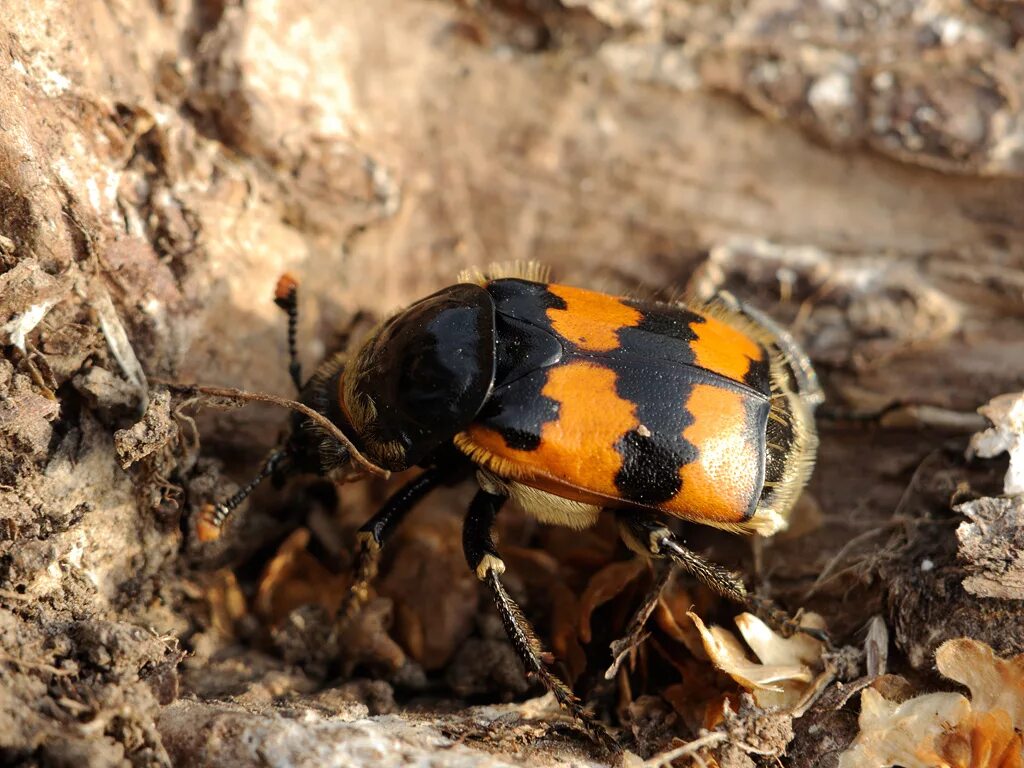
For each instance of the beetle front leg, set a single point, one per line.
(374, 534)
(488, 566)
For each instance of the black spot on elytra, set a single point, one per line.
(758, 376)
(669, 321)
(650, 463)
(665, 333)
(518, 411)
(650, 469)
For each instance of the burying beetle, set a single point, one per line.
(571, 403)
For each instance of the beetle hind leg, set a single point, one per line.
(635, 632)
(649, 538)
(485, 561)
(783, 622)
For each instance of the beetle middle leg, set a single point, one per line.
(648, 537)
(484, 560)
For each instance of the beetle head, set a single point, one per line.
(421, 378)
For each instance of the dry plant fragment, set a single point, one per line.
(603, 586)
(995, 683)
(948, 730)
(901, 734)
(150, 434)
(226, 602)
(1006, 412)
(294, 578)
(991, 546)
(785, 667)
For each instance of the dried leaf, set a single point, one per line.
(226, 602)
(367, 641)
(946, 730)
(784, 670)
(983, 740)
(435, 595)
(540, 570)
(773, 648)
(995, 683)
(295, 578)
(1006, 413)
(902, 734)
(603, 586)
(670, 613)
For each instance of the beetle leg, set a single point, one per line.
(783, 622)
(648, 537)
(485, 561)
(635, 634)
(374, 534)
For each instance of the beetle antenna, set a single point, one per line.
(213, 516)
(239, 395)
(286, 296)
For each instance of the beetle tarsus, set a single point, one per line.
(641, 532)
(484, 560)
(213, 516)
(782, 621)
(711, 575)
(649, 537)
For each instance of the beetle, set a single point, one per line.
(572, 404)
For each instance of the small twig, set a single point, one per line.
(689, 749)
(851, 690)
(814, 692)
(848, 547)
(750, 749)
(624, 646)
(75, 707)
(231, 393)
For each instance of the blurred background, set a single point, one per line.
(854, 169)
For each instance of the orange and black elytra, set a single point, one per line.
(572, 404)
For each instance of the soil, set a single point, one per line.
(854, 171)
